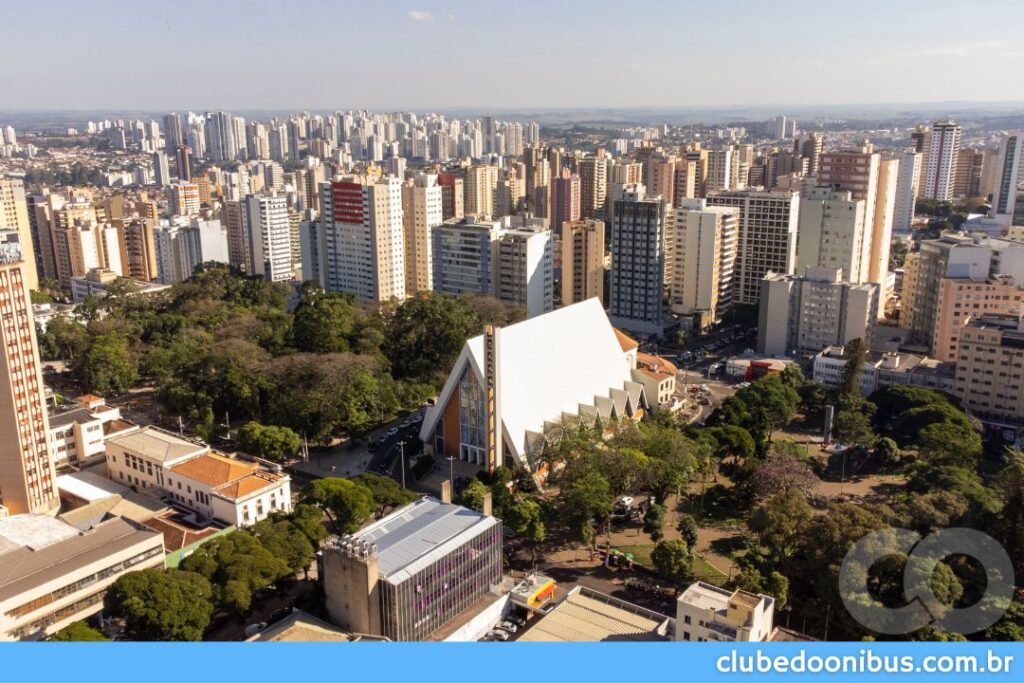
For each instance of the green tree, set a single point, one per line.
(427, 333)
(855, 353)
(387, 493)
(108, 365)
(473, 495)
(586, 498)
(526, 519)
(654, 522)
(348, 504)
(688, 529)
(237, 565)
(1008, 527)
(65, 338)
(267, 441)
(78, 631)
(325, 322)
(286, 540)
(159, 605)
(673, 560)
(778, 524)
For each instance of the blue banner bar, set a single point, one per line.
(533, 662)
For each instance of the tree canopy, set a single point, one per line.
(159, 605)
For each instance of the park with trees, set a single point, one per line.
(222, 348)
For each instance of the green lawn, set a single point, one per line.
(701, 568)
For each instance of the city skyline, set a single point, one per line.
(421, 56)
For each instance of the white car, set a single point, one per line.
(626, 501)
(496, 634)
(508, 626)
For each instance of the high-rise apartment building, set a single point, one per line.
(525, 270)
(364, 236)
(961, 298)
(989, 380)
(967, 182)
(767, 237)
(813, 312)
(699, 157)
(185, 199)
(973, 257)
(706, 239)
(464, 252)
(453, 196)
(582, 261)
(161, 168)
(268, 237)
(638, 260)
(869, 177)
(1008, 175)
(831, 234)
(906, 189)
(28, 480)
(173, 133)
(941, 161)
(421, 210)
(14, 216)
(565, 200)
(481, 183)
(593, 172)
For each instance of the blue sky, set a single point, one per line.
(424, 54)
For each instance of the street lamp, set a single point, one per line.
(451, 471)
(401, 446)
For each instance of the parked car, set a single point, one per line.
(516, 619)
(508, 626)
(497, 634)
(253, 629)
(391, 432)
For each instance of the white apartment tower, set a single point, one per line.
(267, 235)
(940, 168)
(906, 189)
(1008, 177)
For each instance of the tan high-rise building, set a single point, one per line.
(831, 233)
(967, 182)
(661, 177)
(881, 225)
(236, 235)
(869, 177)
(988, 377)
(685, 181)
(14, 216)
(961, 298)
(139, 255)
(582, 261)
(593, 173)
(28, 480)
(706, 239)
(699, 157)
(421, 211)
(481, 183)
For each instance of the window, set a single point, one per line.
(686, 619)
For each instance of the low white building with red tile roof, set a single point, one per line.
(188, 474)
(229, 490)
